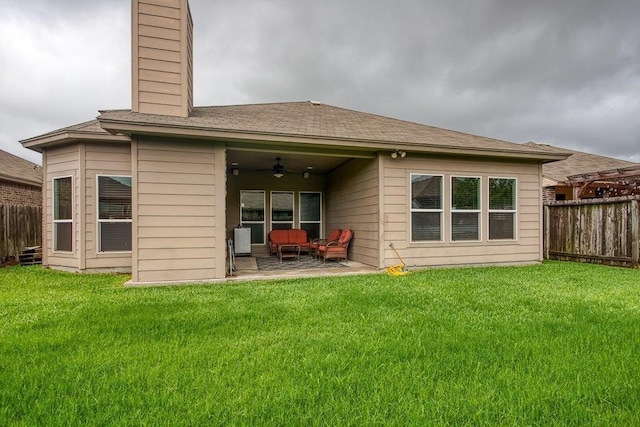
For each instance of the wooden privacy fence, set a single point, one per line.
(604, 231)
(20, 227)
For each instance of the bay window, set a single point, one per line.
(114, 213)
(63, 214)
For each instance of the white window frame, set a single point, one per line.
(61, 221)
(300, 221)
(478, 211)
(264, 212)
(513, 211)
(412, 209)
(293, 208)
(100, 221)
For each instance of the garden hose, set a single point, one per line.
(397, 270)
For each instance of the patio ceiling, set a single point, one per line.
(246, 160)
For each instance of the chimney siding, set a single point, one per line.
(162, 57)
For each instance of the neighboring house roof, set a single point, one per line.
(17, 169)
(308, 123)
(577, 163)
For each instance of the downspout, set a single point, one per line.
(382, 244)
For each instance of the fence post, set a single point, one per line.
(635, 233)
(547, 232)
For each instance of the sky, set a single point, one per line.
(559, 72)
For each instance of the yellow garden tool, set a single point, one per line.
(397, 270)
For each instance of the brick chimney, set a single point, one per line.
(162, 57)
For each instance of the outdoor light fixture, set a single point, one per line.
(278, 169)
(235, 171)
(398, 153)
(306, 174)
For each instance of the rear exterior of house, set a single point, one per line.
(151, 190)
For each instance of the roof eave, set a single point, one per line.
(137, 128)
(65, 136)
(20, 180)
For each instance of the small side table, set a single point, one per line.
(289, 251)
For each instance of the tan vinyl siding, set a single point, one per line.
(352, 201)
(397, 226)
(60, 162)
(103, 159)
(162, 71)
(179, 216)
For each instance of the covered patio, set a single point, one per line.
(249, 268)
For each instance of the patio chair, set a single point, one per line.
(337, 249)
(332, 237)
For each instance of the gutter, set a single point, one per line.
(174, 130)
(66, 136)
(20, 180)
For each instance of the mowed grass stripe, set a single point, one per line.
(552, 344)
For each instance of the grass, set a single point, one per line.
(553, 344)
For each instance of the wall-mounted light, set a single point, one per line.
(235, 171)
(398, 153)
(307, 173)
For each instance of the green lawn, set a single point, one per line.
(553, 344)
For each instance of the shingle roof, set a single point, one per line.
(578, 163)
(17, 169)
(315, 120)
(90, 130)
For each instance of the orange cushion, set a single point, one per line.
(297, 236)
(334, 235)
(279, 236)
(345, 237)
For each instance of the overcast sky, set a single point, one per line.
(561, 72)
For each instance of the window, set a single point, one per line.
(63, 214)
(114, 213)
(281, 210)
(426, 207)
(311, 213)
(465, 208)
(502, 208)
(252, 214)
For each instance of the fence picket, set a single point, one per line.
(594, 230)
(20, 227)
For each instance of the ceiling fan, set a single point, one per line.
(278, 170)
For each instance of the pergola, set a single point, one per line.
(607, 183)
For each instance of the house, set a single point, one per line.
(193, 174)
(585, 176)
(20, 205)
(20, 181)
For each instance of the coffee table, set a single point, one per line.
(289, 251)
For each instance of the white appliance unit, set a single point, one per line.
(242, 241)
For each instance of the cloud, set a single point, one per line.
(564, 73)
